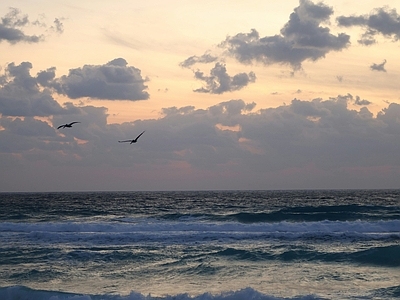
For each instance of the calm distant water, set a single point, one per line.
(200, 245)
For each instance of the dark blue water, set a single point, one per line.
(200, 245)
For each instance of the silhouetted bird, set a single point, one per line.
(131, 141)
(67, 125)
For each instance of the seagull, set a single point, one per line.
(131, 141)
(67, 125)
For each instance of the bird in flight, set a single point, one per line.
(67, 125)
(131, 141)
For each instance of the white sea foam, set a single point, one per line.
(173, 232)
(290, 227)
(23, 293)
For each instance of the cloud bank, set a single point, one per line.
(311, 144)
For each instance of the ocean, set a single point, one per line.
(206, 245)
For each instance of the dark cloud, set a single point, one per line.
(349, 98)
(46, 78)
(205, 58)
(220, 82)
(378, 67)
(362, 102)
(381, 21)
(24, 95)
(351, 21)
(21, 135)
(11, 28)
(177, 111)
(28, 127)
(112, 81)
(302, 38)
(226, 138)
(231, 108)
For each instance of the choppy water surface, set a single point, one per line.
(200, 245)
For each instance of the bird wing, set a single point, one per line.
(60, 126)
(124, 141)
(139, 135)
(73, 123)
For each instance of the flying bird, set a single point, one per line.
(67, 125)
(131, 141)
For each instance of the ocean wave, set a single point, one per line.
(309, 213)
(320, 213)
(243, 207)
(386, 256)
(387, 293)
(121, 234)
(159, 227)
(25, 293)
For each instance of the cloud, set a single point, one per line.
(46, 78)
(11, 28)
(231, 108)
(205, 58)
(302, 38)
(324, 132)
(220, 82)
(378, 67)
(381, 21)
(27, 127)
(112, 81)
(229, 139)
(363, 102)
(349, 98)
(58, 26)
(121, 40)
(24, 95)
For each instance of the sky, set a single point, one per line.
(232, 95)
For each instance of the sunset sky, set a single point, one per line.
(231, 95)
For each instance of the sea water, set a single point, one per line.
(225, 245)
